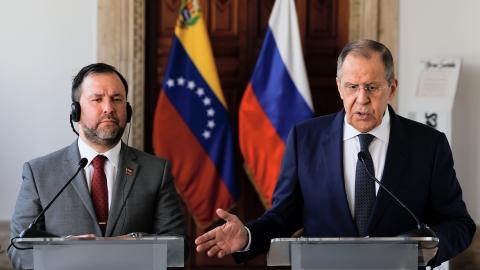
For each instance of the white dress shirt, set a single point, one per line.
(351, 147)
(111, 164)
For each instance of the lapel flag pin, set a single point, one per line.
(129, 171)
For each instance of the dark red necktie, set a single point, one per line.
(99, 191)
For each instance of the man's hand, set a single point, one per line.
(89, 236)
(223, 240)
(428, 253)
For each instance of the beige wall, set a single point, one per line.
(377, 20)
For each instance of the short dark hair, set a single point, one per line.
(364, 47)
(94, 68)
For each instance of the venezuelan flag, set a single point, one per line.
(191, 124)
(277, 97)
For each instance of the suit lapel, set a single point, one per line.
(395, 161)
(332, 151)
(126, 175)
(80, 184)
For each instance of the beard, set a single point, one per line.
(106, 135)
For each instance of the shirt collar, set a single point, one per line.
(113, 155)
(381, 132)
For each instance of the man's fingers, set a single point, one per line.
(428, 254)
(201, 239)
(225, 215)
(206, 245)
(213, 251)
(206, 237)
(209, 240)
(221, 254)
(82, 236)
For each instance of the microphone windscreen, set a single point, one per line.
(83, 162)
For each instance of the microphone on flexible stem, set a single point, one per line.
(422, 230)
(32, 231)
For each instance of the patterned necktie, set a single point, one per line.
(99, 191)
(364, 186)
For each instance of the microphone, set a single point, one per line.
(422, 230)
(32, 231)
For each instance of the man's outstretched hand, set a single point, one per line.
(225, 239)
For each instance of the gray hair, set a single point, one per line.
(365, 47)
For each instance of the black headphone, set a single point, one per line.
(75, 112)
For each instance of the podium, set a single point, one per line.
(122, 253)
(349, 253)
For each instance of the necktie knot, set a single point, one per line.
(365, 140)
(98, 162)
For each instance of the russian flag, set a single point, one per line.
(191, 123)
(277, 97)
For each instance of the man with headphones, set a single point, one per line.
(121, 190)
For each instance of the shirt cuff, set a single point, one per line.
(247, 248)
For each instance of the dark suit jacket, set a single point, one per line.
(310, 192)
(144, 200)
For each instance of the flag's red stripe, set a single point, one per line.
(261, 146)
(197, 179)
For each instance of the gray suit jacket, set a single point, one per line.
(143, 200)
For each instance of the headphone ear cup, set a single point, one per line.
(75, 111)
(129, 112)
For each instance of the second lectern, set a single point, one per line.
(349, 253)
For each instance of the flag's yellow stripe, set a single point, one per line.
(197, 45)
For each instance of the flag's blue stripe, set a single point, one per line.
(275, 90)
(193, 111)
